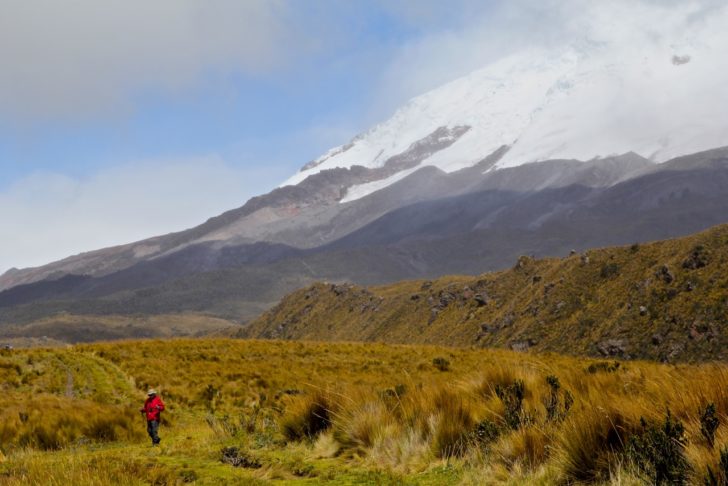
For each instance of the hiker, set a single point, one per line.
(153, 408)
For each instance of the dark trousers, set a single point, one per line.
(152, 429)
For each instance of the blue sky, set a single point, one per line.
(243, 115)
(247, 113)
(126, 119)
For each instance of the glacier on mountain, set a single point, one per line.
(659, 98)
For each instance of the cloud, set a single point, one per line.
(47, 216)
(80, 58)
(488, 31)
(84, 58)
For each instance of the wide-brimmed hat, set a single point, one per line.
(151, 391)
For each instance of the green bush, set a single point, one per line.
(720, 476)
(512, 397)
(558, 402)
(603, 366)
(441, 363)
(609, 270)
(709, 423)
(485, 432)
(658, 451)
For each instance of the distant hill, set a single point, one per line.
(665, 301)
(63, 329)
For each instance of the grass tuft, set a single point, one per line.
(309, 416)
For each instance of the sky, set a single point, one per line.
(125, 119)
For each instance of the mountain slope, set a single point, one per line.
(303, 216)
(484, 228)
(664, 300)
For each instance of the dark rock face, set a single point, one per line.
(701, 330)
(237, 458)
(665, 274)
(698, 258)
(438, 140)
(444, 299)
(523, 345)
(481, 299)
(612, 347)
(340, 290)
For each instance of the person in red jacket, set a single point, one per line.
(152, 409)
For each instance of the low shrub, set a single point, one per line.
(485, 432)
(512, 398)
(559, 401)
(709, 423)
(658, 451)
(441, 364)
(698, 258)
(609, 270)
(237, 458)
(719, 476)
(603, 366)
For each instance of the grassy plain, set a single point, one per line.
(255, 412)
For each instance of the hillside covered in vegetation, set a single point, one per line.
(665, 301)
(256, 412)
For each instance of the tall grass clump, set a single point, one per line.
(455, 423)
(50, 422)
(308, 416)
(592, 442)
(365, 424)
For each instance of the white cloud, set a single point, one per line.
(48, 216)
(81, 58)
(485, 35)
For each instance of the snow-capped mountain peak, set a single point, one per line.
(590, 99)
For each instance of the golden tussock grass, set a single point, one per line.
(349, 413)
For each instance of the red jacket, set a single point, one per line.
(152, 407)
